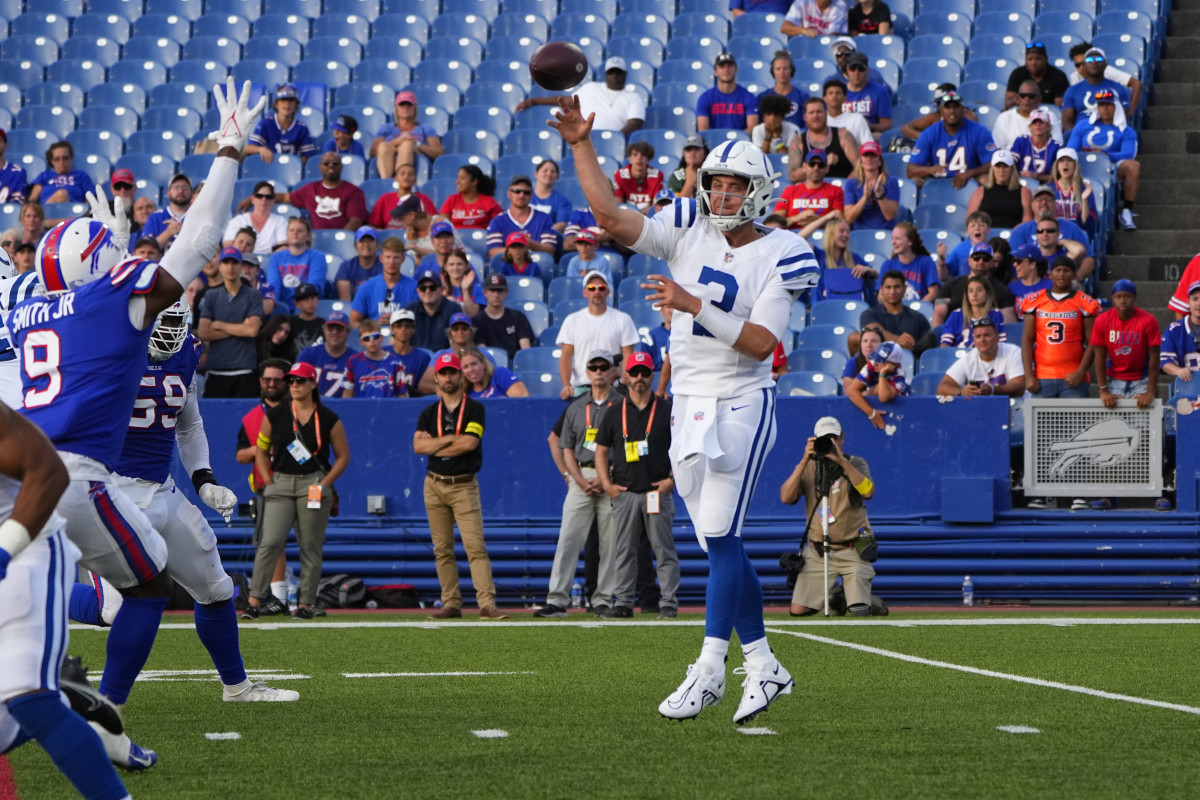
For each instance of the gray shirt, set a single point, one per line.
(575, 425)
(234, 353)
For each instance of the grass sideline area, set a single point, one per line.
(576, 702)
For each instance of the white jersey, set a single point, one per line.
(1006, 366)
(613, 109)
(757, 282)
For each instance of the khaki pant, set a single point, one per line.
(446, 504)
(577, 514)
(856, 577)
(285, 504)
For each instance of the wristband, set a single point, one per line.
(264, 442)
(14, 537)
(201, 477)
(724, 327)
(874, 413)
(865, 487)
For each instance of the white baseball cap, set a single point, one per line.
(1003, 157)
(827, 426)
(615, 62)
(840, 42)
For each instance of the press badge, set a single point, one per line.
(589, 439)
(652, 500)
(314, 495)
(631, 452)
(298, 451)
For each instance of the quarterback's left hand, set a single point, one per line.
(219, 499)
(114, 219)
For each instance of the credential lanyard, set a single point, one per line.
(316, 426)
(462, 407)
(625, 425)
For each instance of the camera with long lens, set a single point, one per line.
(791, 562)
(823, 446)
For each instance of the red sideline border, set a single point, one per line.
(8, 783)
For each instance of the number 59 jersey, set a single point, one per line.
(757, 282)
(82, 359)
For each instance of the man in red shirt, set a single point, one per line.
(809, 205)
(637, 182)
(406, 181)
(330, 202)
(1125, 346)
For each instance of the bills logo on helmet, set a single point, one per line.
(74, 253)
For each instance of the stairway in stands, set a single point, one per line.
(1168, 206)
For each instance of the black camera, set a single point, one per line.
(823, 445)
(791, 563)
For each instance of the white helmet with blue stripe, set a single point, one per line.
(74, 253)
(7, 268)
(743, 160)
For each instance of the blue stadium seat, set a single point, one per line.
(203, 73)
(521, 23)
(232, 26)
(222, 49)
(747, 49)
(494, 119)
(569, 27)
(684, 70)
(826, 336)
(1026, 7)
(988, 93)
(82, 75)
(678, 94)
(941, 216)
(188, 9)
(472, 143)
(605, 8)
(501, 71)
(931, 71)
(546, 9)
(334, 48)
(96, 166)
(1128, 21)
(965, 7)
(18, 76)
(510, 166)
(488, 9)
(330, 72)
(64, 210)
(560, 290)
(1005, 23)
(58, 120)
(67, 95)
(196, 167)
(567, 307)
(546, 143)
(952, 23)
(592, 48)
(381, 71)
(285, 170)
(705, 50)
(111, 26)
(128, 9)
(942, 191)
(363, 8)
(267, 73)
(142, 75)
(187, 95)
(489, 93)
(697, 25)
(90, 48)
(836, 312)
(464, 49)
(184, 121)
(990, 69)
(646, 7)
(105, 144)
(165, 26)
(443, 95)
(55, 27)
(640, 264)
(942, 45)
(522, 290)
(667, 144)
(652, 24)
(377, 95)
(866, 242)
(401, 26)
(637, 48)
(164, 143)
(1063, 23)
(31, 142)
(544, 383)
(341, 25)
(939, 359)
(310, 9)
(676, 117)
(826, 361)
(438, 190)
(160, 49)
(434, 71)
(996, 46)
(292, 26)
(712, 137)
(152, 167)
(807, 384)
(512, 48)
(119, 119)
(457, 24)
(405, 49)
(925, 384)
(608, 144)
(40, 50)
(273, 48)
(875, 47)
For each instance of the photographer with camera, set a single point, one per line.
(837, 486)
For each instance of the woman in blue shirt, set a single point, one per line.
(910, 256)
(485, 379)
(838, 256)
(978, 302)
(61, 182)
(545, 199)
(875, 206)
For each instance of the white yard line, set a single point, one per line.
(987, 673)
(223, 737)
(756, 731)
(1017, 729)
(494, 733)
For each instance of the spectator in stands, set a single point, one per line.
(811, 204)
(868, 17)
(990, 367)
(275, 339)
(1058, 326)
(515, 259)
(637, 182)
(60, 182)
(373, 372)
(872, 100)
(230, 319)
(270, 228)
(1072, 193)
(406, 182)
(12, 176)
(432, 311)
(872, 196)
(1051, 81)
(143, 207)
(522, 217)
(244, 239)
(841, 49)
(1036, 150)
(911, 258)
(912, 129)
(581, 219)
(979, 301)
(165, 224)
(954, 148)
(596, 328)
(252, 273)
(33, 222)
(329, 356)
(837, 255)
(883, 371)
(281, 132)
(496, 325)
(726, 105)
(783, 70)
(774, 133)
(839, 146)
(461, 283)
(1045, 202)
(1180, 353)
(739, 7)
(400, 142)
(901, 324)
(1120, 144)
(586, 258)
(682, 182)
(331, 203)
(123, 185)
(615, 108)
(23, 256)
(381, 295)
(472, 206)
(813, 18)
(9, 240)
(360, 267)
(1080, 99)
(545, 199)
(1178, 303)
(486, 379)
(291, 484)
(1051, 244)
(148, 247)
(834, 93)
(297, 263)
(1030, 266)
(413, 362)
(306, 326)
(416, 233)
(1002, 197)
(983, 264)
(342, 142)
(1015, 122)
(870, 337)
(441, 234)
(1079, 54)
(1125, 347)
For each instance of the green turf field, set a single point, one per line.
(578, 702)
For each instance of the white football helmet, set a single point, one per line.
(7, 268)
(744, 160)
(170, 330)
(75, 253)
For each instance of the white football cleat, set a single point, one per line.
(259, 693)
(123, 752)
(699, 689)
(761, 688)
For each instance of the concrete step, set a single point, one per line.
(1157, 243)
(1163, 218)
(1185, 68)
(1166, 268)
(1160, 117)
(1176, 94)
(1167, 167)
(1184, 24)
(1181, 192)
(1163, 141)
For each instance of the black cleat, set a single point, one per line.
(85, 700)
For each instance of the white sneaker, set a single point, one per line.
(123, 752)
(699, 689)
(760, 689)
(1039, 503)
(1079, 504)
(259, 693)
(1126, 218)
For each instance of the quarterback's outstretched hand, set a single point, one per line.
(114, 219)
(570, 122)
(219, 499)
(237, 120)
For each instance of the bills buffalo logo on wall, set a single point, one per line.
(1104, 444)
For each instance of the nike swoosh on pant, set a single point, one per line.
(738, 408)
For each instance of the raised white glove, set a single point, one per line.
(219, 499)
(115, 219)
(237, 121)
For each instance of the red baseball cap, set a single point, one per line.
(517, 237)
(639, 358)
(870, 147)
(447, 361)
(302, 370)
(122, 176)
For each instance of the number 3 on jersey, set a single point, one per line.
(145, 409)
(728, 283)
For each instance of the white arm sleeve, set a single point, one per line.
(200, 235)
(189, 432)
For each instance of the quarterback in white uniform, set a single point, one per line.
(732, 286)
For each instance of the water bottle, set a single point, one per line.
(968, 591)
(293, 588)
(577, 595)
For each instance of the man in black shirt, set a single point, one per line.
(1051, 81)
(633, 439)
(432, 311)
(307, 327)
(900, 324)
(450, 433)
(498, 326)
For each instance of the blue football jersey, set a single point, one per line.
(13, 291)
(82, 360)
(331, 372)
(150, 440)
(971, 146)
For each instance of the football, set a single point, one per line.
(558, 66)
